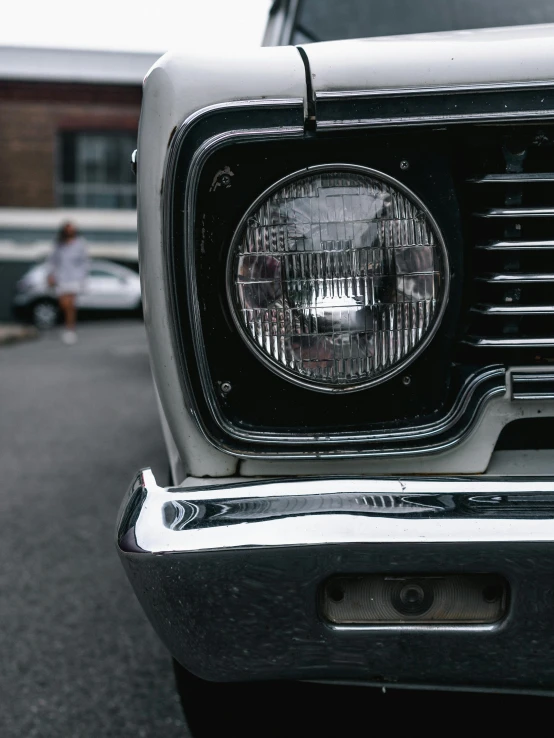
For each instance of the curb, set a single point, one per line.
(14, 333)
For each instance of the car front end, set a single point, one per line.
(347, 268)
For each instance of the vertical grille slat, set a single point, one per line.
(510, 342)
(513, 178)
(510, 203)
(518, 278)
(513, 309)
(517, 213)
(516, 246)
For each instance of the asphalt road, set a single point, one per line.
(78, 657)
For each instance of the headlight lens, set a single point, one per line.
(337, 277)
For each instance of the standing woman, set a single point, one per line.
(68, 268)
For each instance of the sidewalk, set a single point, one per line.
(13, 332)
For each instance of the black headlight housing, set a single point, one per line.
(220, 165)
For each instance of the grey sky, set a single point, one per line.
(129, 25)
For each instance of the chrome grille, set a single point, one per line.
(512, 233)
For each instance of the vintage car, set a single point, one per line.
(347, 264)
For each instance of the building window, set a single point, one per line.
(95, 170)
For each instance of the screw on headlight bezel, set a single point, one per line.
(283, 371)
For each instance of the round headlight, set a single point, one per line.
(337, 277)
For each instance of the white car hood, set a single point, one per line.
(515, 55)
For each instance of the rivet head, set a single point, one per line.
(226, 387)
(406, 380)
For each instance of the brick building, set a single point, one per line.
(68, 122)
(68, 125)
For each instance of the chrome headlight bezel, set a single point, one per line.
(395, 368)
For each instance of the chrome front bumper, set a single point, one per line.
(230, 574)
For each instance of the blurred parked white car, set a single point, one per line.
(109, 287)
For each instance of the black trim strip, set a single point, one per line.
(429, 108)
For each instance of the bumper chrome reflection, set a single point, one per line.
(230, 574)
(291, 512)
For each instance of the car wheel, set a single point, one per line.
(45, 314)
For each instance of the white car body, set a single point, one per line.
(175, 96)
